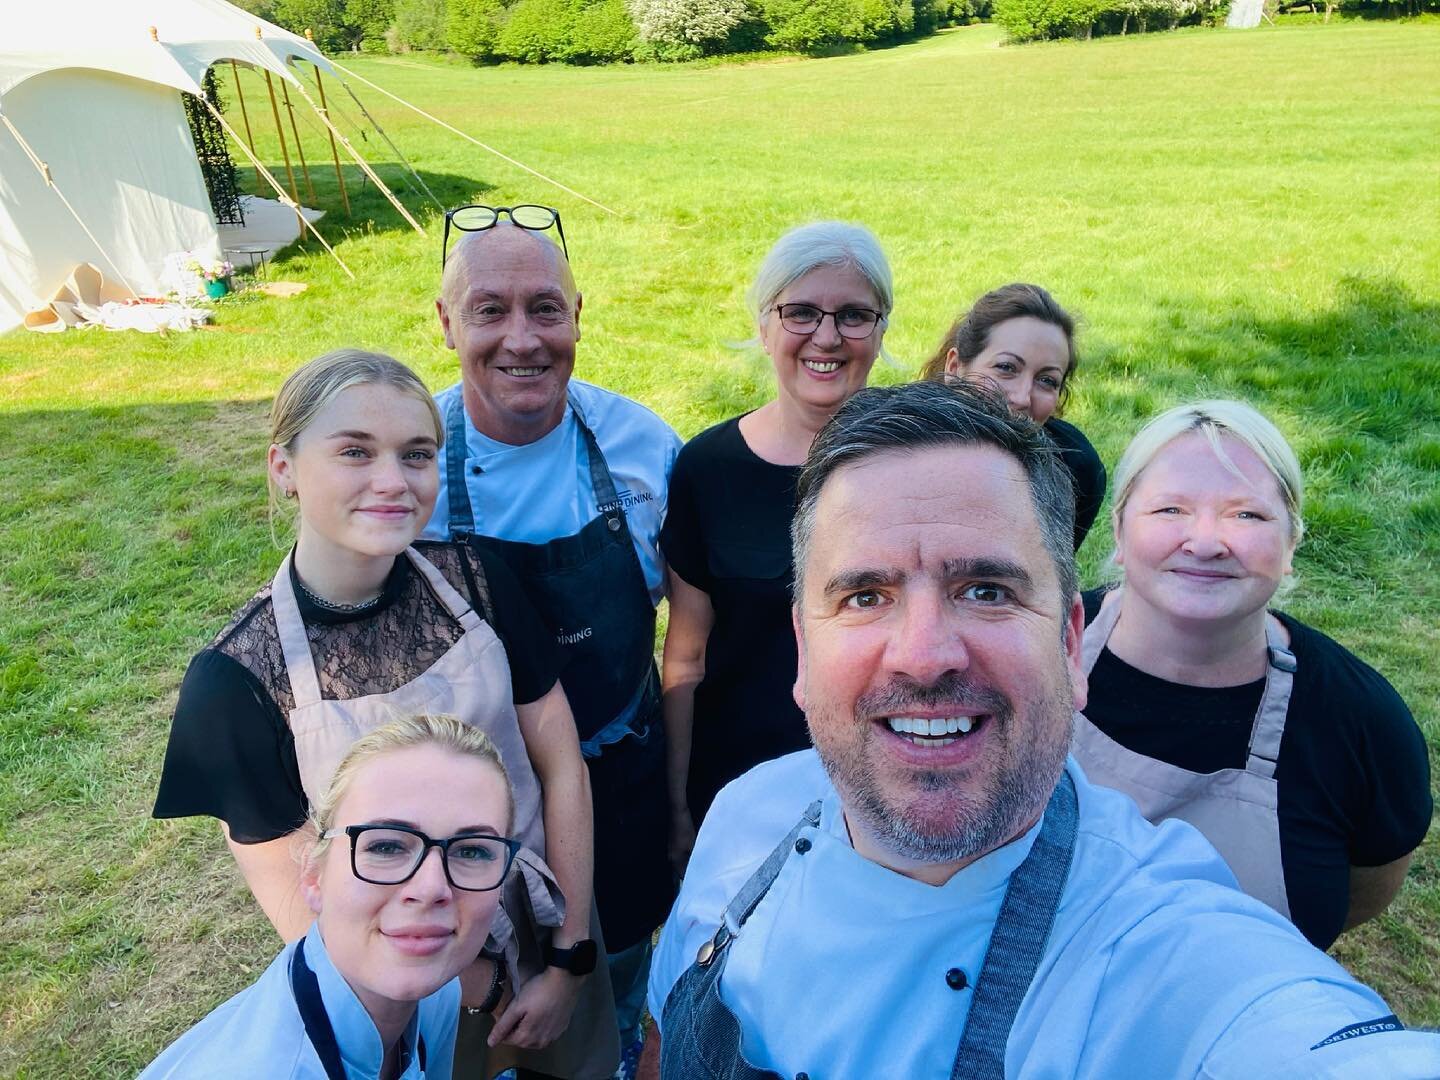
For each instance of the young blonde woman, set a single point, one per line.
(371, 989)
(361, 624)
(1296, 759)
(821, 303)
(1020, 339)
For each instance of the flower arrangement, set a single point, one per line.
(211, 271)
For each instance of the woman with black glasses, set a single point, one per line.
(361, 624)
(371, 989)
(821, 302)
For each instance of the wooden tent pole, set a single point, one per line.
(276, 185)
(240, 95)
(299, 149)
(280, 130)
(345, 142)
(334, 150)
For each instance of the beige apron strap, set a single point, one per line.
(299, 663)
(1269, 727)
(1092, 643)
(456, 604)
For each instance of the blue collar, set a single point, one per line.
(359, 1041)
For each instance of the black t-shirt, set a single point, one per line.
(1086, 470)
(1353, 776)
(727, 533)
(231, 753)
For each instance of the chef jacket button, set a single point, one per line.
(475, 470)
(956, 980)
(802, 845)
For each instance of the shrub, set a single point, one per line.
(369, 20)
(1032, 20)
(473, 26)
(806, 25)
(603, 32)
(419, 24)
(537, 30)
(693, 23)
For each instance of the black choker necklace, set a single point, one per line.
(341, 609)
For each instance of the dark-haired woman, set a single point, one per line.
(1019, 338)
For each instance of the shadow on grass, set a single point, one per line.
(371, 213)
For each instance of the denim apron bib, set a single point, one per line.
(1236, 809)
(591, 593)
(702, 1037)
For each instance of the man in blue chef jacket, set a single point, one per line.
(936, 890)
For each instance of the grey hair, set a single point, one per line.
(917, 416)
(821, 243)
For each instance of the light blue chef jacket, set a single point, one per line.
(540, 491)
(259, 1033)
(1157, 965)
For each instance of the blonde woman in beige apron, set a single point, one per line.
(357, 628)
(1204, 704)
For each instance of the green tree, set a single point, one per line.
(603, 33)
(369, 20)
(325, 18)
(472, 27)
(419, 24)
(538, 30)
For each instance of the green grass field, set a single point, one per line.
(1250, 213)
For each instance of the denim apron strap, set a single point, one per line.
(702, 1037)
(457, 492)
(1018, 941)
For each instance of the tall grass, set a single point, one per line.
(1249, 214)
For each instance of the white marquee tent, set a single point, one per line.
(88, 89)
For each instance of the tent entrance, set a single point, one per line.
(213, 154)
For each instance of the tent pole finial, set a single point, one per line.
(154, 34)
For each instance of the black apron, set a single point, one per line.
(305, 988)
(591, 592)
(703, 1037)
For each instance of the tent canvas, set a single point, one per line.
(94, 94)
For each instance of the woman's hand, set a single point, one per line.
(540, 1012)
(682, 839)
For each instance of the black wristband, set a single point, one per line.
(497, 987)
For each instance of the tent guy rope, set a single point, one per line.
(470, 138)
(50, 182)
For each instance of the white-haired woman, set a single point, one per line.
(371, 988)
(1298, 761)
(360, 624)
(821, 302)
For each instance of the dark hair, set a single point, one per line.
(915, 416)
(971, 332)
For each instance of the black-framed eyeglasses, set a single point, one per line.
(478, 218)
(855, 323)
(391, 854)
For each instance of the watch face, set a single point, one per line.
(583, 957)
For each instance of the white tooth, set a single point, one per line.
(899, 725)
(964, 724)
(952, 725)
(944, 742)
(937, 727)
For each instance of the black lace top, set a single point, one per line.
(231, 755)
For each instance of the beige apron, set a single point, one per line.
(472, 683)
(1234, 808)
